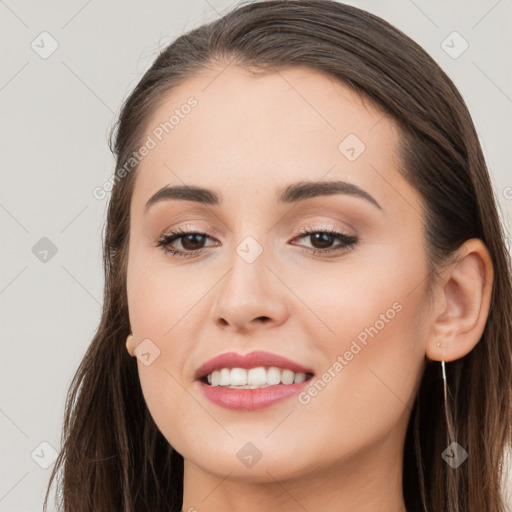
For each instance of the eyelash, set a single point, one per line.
(348, 241)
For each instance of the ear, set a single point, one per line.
(461, 303)
(130, 344)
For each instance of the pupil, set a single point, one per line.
(324, 238)
(194, 238)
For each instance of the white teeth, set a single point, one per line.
(238, 377)
(299, 377)
(273, 376)
(257, 376)
(224, 377)
(253, 378)
(287, 377)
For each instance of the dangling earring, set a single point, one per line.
(449, 425)
(454, 454)
(443, 369)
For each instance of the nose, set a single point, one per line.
(249, 297)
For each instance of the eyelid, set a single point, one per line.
(326, 218)
(212, 233)
(187, 226)
(305, 225)
(322, 227)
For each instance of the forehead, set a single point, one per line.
(250, 132)
(291, 103)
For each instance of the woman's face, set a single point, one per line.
(353, 314)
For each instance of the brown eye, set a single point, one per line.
(322, 240)
(192, 241)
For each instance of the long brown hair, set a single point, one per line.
(113, 456)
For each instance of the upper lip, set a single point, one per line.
(251, 360)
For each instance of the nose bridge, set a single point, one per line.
(248, 270)
(249, 237)
(247, 292)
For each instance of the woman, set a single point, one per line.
(308, 295)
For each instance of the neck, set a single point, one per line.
(368, 482)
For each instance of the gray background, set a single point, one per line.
(55, 116)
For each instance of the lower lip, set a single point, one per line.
(250, 399)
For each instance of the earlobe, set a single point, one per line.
(463, 303)
(130, 344)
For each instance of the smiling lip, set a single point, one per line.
(249, 399)
(247, 361)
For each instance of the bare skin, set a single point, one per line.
(247, 139)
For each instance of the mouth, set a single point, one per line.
(254, 378)
(251, 381)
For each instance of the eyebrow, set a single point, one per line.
(291, 194)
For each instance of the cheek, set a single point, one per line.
(160, 296)
(367, 390)
(359, 298)
(372, 344)
(164, 305)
